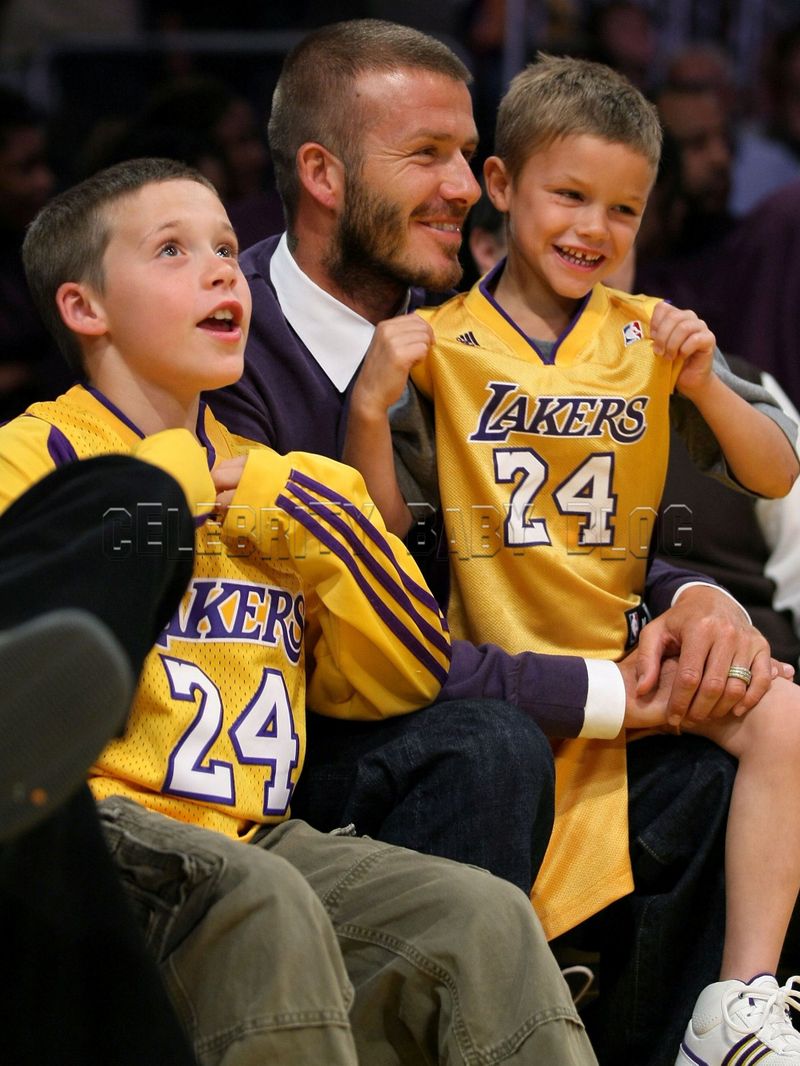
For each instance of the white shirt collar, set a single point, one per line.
(335, 335)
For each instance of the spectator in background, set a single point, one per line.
(761, 162)
(30, 365)
(623, 34)
(695, 118)
(743, 278)
(205, 123)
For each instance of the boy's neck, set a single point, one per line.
(538, 311)
(148, 406)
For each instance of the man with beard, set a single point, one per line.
(371, 134)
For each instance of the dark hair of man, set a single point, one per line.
(315, 98)
(68, 238)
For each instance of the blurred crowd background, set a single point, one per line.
(84, 84)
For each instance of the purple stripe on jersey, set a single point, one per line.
(112, 407)
(381, 574)
(59, 448)
(202, 436)
(691, 1055)
(393, 623)
(487, 283)
(422, 593)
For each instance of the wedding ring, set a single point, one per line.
(741, 673)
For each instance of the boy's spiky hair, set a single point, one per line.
(68, 238)
(560, 96)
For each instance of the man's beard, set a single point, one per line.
(366, 253)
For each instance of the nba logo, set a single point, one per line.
(632, 332)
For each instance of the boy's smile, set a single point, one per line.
(573, 214)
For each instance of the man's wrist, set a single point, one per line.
(714, 588)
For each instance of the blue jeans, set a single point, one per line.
(470, 780)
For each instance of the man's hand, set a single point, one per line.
(676, 333)
(709, 633)
(397, 346)
(226, 476)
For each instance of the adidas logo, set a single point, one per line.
(468, 338)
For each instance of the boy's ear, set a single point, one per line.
(80, 309)
(321, 174)
(497, 181)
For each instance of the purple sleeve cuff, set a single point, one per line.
(552, 689)
(664, 580)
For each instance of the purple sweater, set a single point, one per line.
(285, 400)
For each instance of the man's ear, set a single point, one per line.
(321, 174)
(80, 309)
(497, 181)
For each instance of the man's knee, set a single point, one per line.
(500, 734)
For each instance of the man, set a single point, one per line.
(371, 134)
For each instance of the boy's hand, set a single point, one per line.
(677, 333)
(650, 710)
(398, 345)
(226, 476)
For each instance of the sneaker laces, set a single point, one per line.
(755, 1010)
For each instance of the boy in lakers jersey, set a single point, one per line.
(295, 592)
(551, 397)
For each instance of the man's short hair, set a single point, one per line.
(314, 99)
(559, 97)
(68, 238)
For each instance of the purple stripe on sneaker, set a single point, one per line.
(691, 1055)
(732, 1057)
(739, 1054)
(764, 1051)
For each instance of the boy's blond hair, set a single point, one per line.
(559, 96)
(68, 238)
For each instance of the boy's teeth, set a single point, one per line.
(581, 255)
(224, 315)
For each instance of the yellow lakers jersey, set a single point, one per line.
(550, 471)
(301, 577)
(551, 468)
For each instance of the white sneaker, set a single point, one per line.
(738, 1024)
